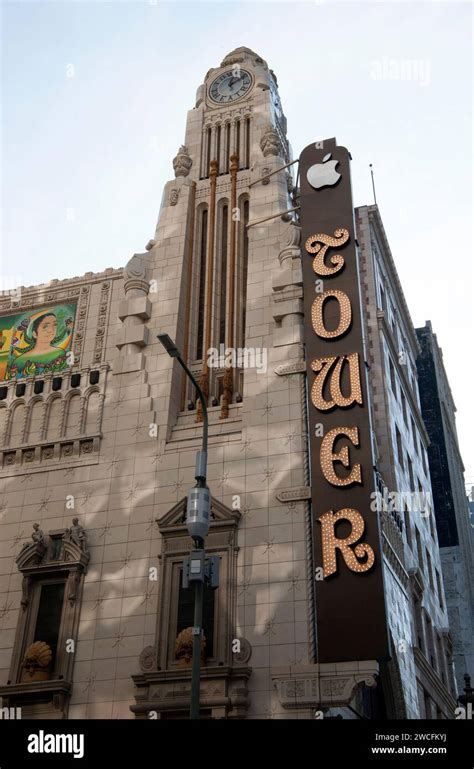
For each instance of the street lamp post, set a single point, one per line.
(197, 520)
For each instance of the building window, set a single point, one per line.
(227, 148)
(208, 153)
(237, 140)
(185, 617)
(218, 148)
(247, 143)
(53, 566)
(440, 589)
(406, 516)
(419, 548)
(223, 260)
(48, 617)
(413, 431)
(410, 473)
(202, 283)
(245, 261)
(393, 382)
(168, 661)
(429, 567)
(399, 447)
(419, 624)
(404, 407)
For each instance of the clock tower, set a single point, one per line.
(235, 135)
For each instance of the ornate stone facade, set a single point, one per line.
(111, 447)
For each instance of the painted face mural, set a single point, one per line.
(33, 343)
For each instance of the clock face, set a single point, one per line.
(229, 87)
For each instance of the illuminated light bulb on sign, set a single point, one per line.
(313, 246)
(324, 365)
(345, 314)
(331, 543)
(328, 456)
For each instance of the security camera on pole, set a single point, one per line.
(196, 568)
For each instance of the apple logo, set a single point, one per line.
(323, 174)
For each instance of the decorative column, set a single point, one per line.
(288, 292)
(204, 383)
(229, 372)
(134, 310)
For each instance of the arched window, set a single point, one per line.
(73, 422)
(54, 419)
(92, 413)
(17, 425)
(35, 430)
(201, 281)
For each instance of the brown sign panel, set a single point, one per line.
(350, 604)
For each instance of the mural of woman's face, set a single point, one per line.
(46, 330)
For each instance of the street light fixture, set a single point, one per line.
(195, 567)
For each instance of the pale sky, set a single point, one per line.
(94, 98)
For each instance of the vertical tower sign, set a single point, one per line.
(350, 604)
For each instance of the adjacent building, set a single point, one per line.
(99, 430)
(450, 502)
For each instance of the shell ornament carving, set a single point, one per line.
(37, 658)
(147, 659)
(183, 648)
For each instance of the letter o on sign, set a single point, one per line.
(345, 314)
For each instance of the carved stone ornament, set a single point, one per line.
(183, 648)
(77, 535)
(135, 274)
(293, 235)
(182, 162)
(147, 659)
(174, 195)
(297, 494)
(135, 268)
(270, 143)
(37, 662)
(323, 685)
(245, 652)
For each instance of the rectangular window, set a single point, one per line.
(404, 407)
(393, 383)
(407, 524)
(48, 618)
(413, 431)
(202, 285)
(186, 613)
(410, 473)
(418, 548)
(440, 589)
(399, 447)
(429, 567)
